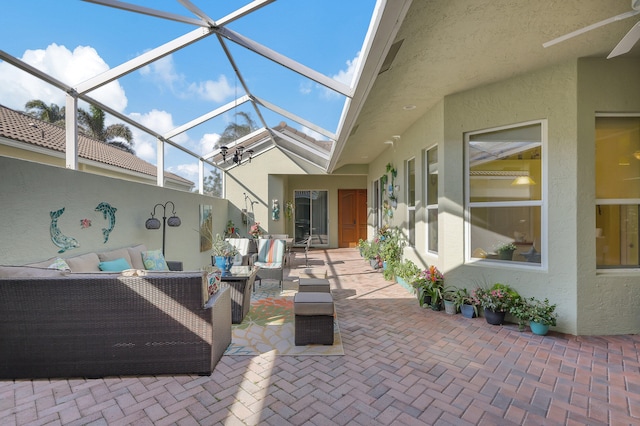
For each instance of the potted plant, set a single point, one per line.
(465, 303)
(391, 244)
(222, 253)
(429, 287)
(449, 300)
(255, 230)
(496, 301)
(541, 315)
(407, 273)
(520, 310)
(505, 251)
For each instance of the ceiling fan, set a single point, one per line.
(627, 42)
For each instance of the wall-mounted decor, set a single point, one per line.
(275, 210)
(109, 213)
(85, 223)
(206, 227)
(59, 239)
(288, 209)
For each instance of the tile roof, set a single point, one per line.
(21, 127)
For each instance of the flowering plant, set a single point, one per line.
(255, 231)
(430, 282)
(499, 298)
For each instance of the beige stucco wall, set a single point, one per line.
(608, 301)
(29, 191)
(567, 97)
(274, 175)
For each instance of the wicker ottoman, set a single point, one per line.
(313, 320)
(314, 285)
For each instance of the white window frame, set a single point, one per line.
(428, 207)
(542, 203)
(613, 201)
(415, 199)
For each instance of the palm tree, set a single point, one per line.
(49, 113)
(236, 130)
(92, 125)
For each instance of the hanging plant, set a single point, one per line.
(288, 209)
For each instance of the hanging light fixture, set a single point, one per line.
(237, 155)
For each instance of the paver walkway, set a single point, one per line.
(402, 365)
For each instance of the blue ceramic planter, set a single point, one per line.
(224, 263)
(538, 328)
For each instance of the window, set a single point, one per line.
(431, 195)
(504, 193)
(617, 191)
(410, 168)
(311, 217)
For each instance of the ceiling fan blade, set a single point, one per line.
(627, 42)
(591, 27)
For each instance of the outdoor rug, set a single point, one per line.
(269, 327)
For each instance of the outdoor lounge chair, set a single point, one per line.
(270, 259)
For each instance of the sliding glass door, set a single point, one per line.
(311, 217)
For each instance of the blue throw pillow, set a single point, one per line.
(154, 261)
(117, 265)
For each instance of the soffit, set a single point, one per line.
(452, 46)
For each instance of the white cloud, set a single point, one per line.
(188, 171)
(216, 91)
(208, 142)
(345, 76)
(70, 67)
(163, 71)
(306, 87)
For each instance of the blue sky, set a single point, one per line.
(75, 40)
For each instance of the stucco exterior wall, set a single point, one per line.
(567, 97)
(608, 300)
(29, 191)
(273, 175)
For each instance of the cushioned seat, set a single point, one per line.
(270, 259)
(313, 318)
(314, 285)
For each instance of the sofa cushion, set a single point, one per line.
(84, 263)
(53, 263)
(154, 261)
(135, 253)
(29, 271)
(122, 253)
(117, 265)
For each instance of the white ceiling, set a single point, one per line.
(453, 45)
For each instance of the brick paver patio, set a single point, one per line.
(402, 365)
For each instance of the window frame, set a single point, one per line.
(429, 207)
(613, 201)
(410, 208)
(542, 203)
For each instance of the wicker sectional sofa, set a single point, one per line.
(92, 324)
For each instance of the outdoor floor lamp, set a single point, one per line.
(154, 223)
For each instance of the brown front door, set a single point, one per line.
(352, 216)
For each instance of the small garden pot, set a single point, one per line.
(506, 255)
(426, 301)
(494, 318)
(467, 311)
(538, 328)
(224, 263)
(450, 307)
